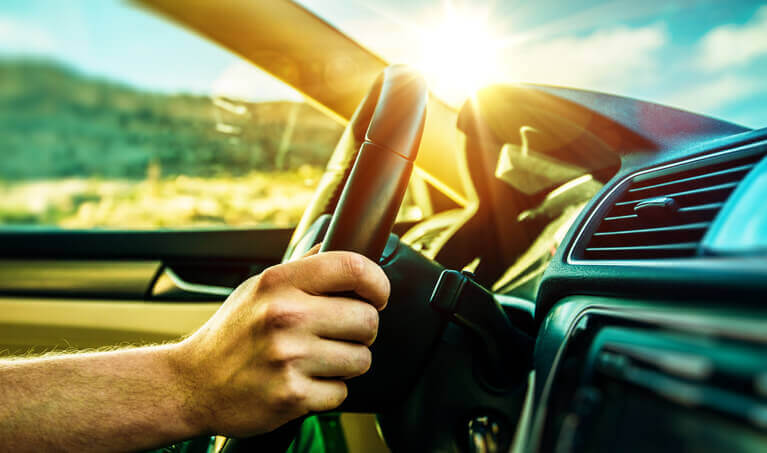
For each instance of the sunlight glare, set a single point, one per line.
(459, 53)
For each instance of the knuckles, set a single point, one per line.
(281, 352)
(353, 266)
(270, 278)
(292, 395)
(279, 315)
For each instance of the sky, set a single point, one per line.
(708, 56)
(117, 40)
(702, 55)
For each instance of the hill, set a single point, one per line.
(55, 122)
(79, 152)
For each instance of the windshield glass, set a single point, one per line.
(706, 56)
(112, 117)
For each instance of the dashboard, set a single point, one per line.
(651, 308)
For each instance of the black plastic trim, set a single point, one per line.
(31, 243)
(735, 281)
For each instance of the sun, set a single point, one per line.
(459, 53)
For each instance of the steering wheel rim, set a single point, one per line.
(386, 129)
(372, 195)
(390, 116)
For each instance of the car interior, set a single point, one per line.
(589, 272)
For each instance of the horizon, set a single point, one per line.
(668, 53)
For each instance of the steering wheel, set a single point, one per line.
(382, 138)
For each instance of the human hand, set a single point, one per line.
(282, 344)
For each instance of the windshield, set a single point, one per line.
(112, 117)
(707, 56)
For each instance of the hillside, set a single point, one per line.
(57, 123)
(83, 153)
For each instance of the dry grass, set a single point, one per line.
(275, 199)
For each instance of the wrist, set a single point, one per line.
(193, 412)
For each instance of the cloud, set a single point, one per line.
(713, 94)
(19, 38)
(616, 59)
(611, 58)
(606, 60)
(729, 45)
(599, 15)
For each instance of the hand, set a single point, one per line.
(281, 345)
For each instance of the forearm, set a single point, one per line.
(274, 351)
(121, 400)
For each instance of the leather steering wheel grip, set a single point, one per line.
(368, 206)
(390, 116)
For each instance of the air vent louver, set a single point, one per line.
(665, 213)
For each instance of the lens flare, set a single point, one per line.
(459, 53)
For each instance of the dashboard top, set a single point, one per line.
(648, 139)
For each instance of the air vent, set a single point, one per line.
(665, 213)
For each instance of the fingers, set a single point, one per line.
(338, 318)
(335, 359)
(333, 272)
(325, 394)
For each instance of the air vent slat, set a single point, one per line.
(731, 175)
(720, 187)
(685, 215)
(650, 236)
(694, 208)
(705, 195)
(684, 200)
(621, 217)
(702, 167)
(694, 226)
(651, 251)
(677, 246)
(703, 207)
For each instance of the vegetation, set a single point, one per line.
(81, 152)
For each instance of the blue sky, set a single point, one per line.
(708, 56)
(703, 55)
(115, 39)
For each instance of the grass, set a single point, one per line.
(273, 199)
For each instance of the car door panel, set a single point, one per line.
(32, 324)
(78, 278)
(87, 289)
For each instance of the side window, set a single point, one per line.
(111, 117)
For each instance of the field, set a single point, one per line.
(257, 199)
(83, 153)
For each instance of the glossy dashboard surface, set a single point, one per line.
(602, 323)
(736, 278)
(716, 296)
